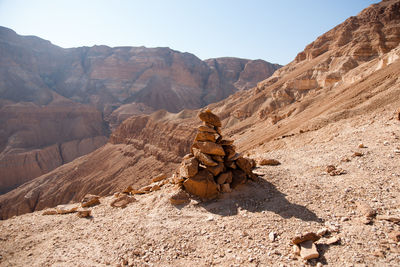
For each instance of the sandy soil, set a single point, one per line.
(294, 197)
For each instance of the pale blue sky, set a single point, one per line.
(271, 30)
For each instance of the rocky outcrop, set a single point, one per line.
(140, 149)
(35, 140)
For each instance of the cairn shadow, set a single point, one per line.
(258, 196)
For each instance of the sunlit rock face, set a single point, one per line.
(59, 104)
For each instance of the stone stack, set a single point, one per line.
(213, 166)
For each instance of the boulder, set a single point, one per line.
(189, 167)
(90, 200)
(205, 136)
(202, 185)
(209, 148)
(244, 164)
(210, 118)
(204, 158)
(238, 177)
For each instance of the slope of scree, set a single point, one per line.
(296, 100)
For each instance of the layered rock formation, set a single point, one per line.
(288, 105)
(213, 165)
(56, 104)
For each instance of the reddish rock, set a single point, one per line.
(204, 158)
(269, 162)
(189, 167)
(204, 128)
(215, 170)
(160, 177)
(202, 185)
(205, 136)
(91, 200)
(230, 152)
(306, 237)
(244, 164)
(210, 148)
(210, 118)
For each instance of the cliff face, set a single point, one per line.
(57, 104)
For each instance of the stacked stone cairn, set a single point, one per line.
(213, 166)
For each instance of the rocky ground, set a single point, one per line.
(235, 230)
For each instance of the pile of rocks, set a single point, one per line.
(213, 166)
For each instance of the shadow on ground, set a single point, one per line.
(257, 197)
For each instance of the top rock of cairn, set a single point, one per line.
(213, 166)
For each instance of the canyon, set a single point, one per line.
(329, 120)
(299, 97)
(58, 104)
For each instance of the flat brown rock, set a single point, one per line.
(90, 200)
(268, 162)
(202, 185)
(189, 167)
(122, 201)
(389, 218)
(204, 158)
(308, 250)
(209, 117)
(204, 128)
(215, 170)
(205, 136)
(209, 148)
(68, 208)
(306, 237)
(159, 177)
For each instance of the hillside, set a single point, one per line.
(59, 104)
(297, 99)
(293, 198)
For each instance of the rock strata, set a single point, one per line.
(213, 167)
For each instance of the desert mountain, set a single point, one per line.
(58, 104)
(349, 71)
